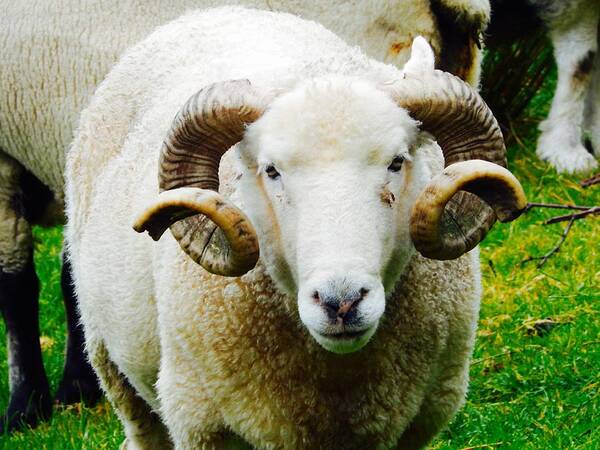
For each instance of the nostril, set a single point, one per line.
(316, 297)
(340, 307)
(331, 308)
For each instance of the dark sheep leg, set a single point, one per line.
(79, 382)
(30, 397)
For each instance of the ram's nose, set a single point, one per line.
(340, 305)
(342, 312)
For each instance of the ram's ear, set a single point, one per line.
(422, 59)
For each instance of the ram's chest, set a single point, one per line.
(275, 387)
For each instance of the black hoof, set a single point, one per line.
(26, 409)
(75, 389)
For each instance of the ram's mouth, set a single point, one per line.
(345, 335)
(346, 341)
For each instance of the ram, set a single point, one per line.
(287, 140)
(53, 56)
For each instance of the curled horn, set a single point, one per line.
(459, 206)
(209, 228)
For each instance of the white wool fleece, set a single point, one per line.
(221, 357)
(54, 54)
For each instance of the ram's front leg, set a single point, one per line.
(439, 406)
(448, 387)
(575, 46)
(19, 289)
(187, 410)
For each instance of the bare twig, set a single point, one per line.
(591, 181)
(556, 206)
(576, 216)
(515, 135)
(545, 257)
(582, 212)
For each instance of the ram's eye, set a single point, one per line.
(271, 172)
(396, 164)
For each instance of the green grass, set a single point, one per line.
(528, 390)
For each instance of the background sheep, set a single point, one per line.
(573, 27)
(53, 56)
(573, 122)
(219, 357)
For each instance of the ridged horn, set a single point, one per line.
(209, 228)
(465, 129)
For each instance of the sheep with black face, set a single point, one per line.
(336, 333)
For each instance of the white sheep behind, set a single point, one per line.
(575, 112)
(221, 357)
(51, 76)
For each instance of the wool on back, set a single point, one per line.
(54, 55)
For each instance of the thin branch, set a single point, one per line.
(545, 257)
(576, 216)
(514, 134)
(556, 206)
(591, 181)
(583, 211)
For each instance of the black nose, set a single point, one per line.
(340, 306)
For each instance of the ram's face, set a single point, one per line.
(331, 176)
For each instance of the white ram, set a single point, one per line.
(53, 56)
(328, 162)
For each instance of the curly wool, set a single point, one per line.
(219, 356)
(269, 381)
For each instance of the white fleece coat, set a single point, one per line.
(217, 356)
